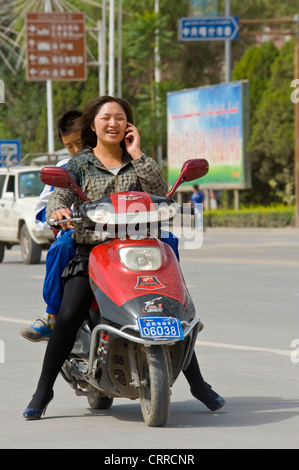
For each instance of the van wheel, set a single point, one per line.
(31, 251)
(2, 250)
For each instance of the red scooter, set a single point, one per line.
(146, 328)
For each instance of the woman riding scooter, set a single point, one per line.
(115, 164)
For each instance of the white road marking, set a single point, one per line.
(15, 320)
(280, 352)
(242, 261)
(238, 347)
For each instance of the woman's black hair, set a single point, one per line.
(84, 123)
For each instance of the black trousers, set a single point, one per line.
(77, 298)
(74, 309)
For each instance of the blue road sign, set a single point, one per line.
(211, 28)
(11, 149)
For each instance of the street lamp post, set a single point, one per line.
(296, 125)
(157, 82)
(111, 71)
(50, 118)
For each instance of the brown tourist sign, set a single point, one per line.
(56, 46)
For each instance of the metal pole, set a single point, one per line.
(111, 72)
(51, 146)
(50, 119)
(157, 82)
(157, 52)
(103, 48)
(227, 48)
(296, 126)
(228, 61)
(101, 60)
(119, 44)
(227, 54)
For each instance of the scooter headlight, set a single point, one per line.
(145, 258)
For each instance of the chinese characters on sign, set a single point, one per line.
(56, 46)
(10, 149)
(209, 29)
(210, 122)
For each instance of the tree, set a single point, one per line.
(272, 142)
(148, 97)
(256, 67)
(271, 147)
(183, 65)
(20, 112)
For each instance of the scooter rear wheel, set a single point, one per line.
(154, 386)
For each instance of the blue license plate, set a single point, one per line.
(160, 328)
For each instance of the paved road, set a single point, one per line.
(245, 284)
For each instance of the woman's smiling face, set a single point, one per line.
(110, 123)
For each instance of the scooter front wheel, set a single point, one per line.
(154, 385)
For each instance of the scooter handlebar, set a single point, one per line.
(55, 223)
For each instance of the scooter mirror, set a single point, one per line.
(60, 178)
(191, 170)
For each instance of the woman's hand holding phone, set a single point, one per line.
(132, 141)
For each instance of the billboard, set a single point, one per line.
(210, 122)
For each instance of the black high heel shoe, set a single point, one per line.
(35, 413)
(208, 397)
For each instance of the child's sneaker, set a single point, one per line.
(40, 330)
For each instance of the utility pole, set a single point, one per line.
(227, 48)
(111, 71)
(157, 83)
(102, 50)
(119, 45)
(50, 119)
(228, 62)
(296, 125)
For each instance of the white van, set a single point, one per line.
(20, 188)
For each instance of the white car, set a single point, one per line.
(20, 187)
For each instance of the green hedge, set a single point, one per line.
(276, 216)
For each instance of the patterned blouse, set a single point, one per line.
(97, 182)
